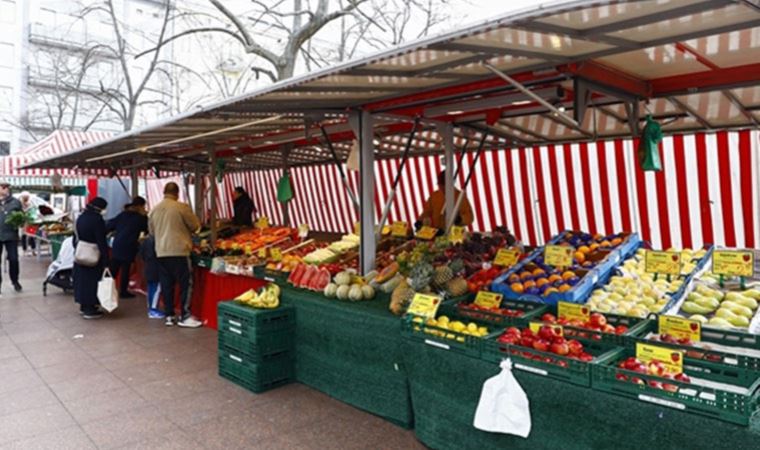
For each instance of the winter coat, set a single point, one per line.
(127, 226)
(90, 227)
(7, 206)
(173, 223)
(244, 209)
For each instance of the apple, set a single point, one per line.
(558, 340)
(609, 329)
(637, 380)
(621, 329)
(527, 341)
(655, 368)
(548, 360)
(548, 317)
(684, 341)
(562, 363)
(670, 387)
(598, 320)
(513, 330)
(621, 377)
(546, 332)
(586, 357)
(541, 345)
(683, 378)
(655, 384)
(575, 347)
(560, 349)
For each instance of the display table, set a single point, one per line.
(352, 352)
(210, 289)
(446, 386)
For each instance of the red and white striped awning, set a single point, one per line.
(57, 143)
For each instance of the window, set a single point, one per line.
(6, 55)
(7, 11)
(5, 148)
(6, 99)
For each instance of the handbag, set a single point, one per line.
(87, 254)
(108, 295)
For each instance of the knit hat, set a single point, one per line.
(98, 204)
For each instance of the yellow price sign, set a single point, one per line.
(671, 360)
(358, 228)
(262, 253)
(558, 255)
(456, 235)
(535, 327)
(426, 233)
(262, 222)
(666, 263)
(399, 229)
(275, 253)
(424, 305)
(506, 257)
(303, 230)
(488, 300)
(733, 263)
(573, 311)
(680, 327)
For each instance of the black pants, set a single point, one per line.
(123, 267)
(28, 241)
(12, 248)
(175, 270)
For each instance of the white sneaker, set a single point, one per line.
(190, 322)
(169, 321)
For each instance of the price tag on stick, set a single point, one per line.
(456, 235)
(573, 311)
(488, 300)
(671, 360)
(426, 233)
(680, 327)
(506, 257)
(399, 229)
(276, 254)
(558, 255)
(733, 263)
(424, 305)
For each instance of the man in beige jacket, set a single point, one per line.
(172, 224)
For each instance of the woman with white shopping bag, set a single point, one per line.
(90, 257)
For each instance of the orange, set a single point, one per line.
(514, 278)
(550, 290)
(565, 288)
(598, 237)
(554, 277)
(541, 281)
(538, 272)
(517, 287)
(617, 241)
(567, 275)
(583, 249)
(529, 284)
(525, 275)
(605, 244)
(580, 256)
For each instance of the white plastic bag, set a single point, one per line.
(108, 295)
(503, 406)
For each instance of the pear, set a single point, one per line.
(738, 309)
(739, 321)
(718, 322)
(698, 318)
(724, 313)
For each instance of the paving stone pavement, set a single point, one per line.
(129, 382)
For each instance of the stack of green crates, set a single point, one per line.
(256, 346)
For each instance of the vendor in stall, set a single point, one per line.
(434, 211)
(243, 207)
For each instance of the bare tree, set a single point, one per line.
(280, 33)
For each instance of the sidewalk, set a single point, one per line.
(129, 382)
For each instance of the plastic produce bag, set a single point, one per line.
(649, 155)
(108, 295)
(284, 189)
(503, 406)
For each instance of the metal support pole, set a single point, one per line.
(461, 158)
(404, 158)
(198, 191)
(368, 244)
(213, 197)
(462, 194)
(135, 180)
(447, 133)
(340, 167)
(286, 172)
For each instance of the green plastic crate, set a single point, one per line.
(256, 376)
(550, 365)
(636, 327)
(711, 356)
(712, 402)
(251, 321)
(261, 346)
(530, 311)
(448, 339)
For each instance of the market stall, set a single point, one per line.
(538, 118)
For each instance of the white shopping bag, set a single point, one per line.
(108, 295)
(503, 406)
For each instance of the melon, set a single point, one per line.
(368, 292)
(330, 290)
(342, 292)
(355, 293)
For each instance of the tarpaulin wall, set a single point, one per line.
(706, 193)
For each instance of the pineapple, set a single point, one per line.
(441, 276)
(400, 298)
(457, 287)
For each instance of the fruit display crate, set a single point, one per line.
(728, 393)
(580, 292)
(529, 311)
(676, 298)
(445, 338)
(251, 321)
(258, 347)
(718, 346)
(636, 327)
(548, 364)
(256, 376)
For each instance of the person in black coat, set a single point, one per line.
(128, 226)
(244, 208)
(91, 227)
(8, 233)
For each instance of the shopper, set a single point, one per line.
(28, 243)
(90, 227)
(151, 271)
(173, 223)
(9, 233)
(434, 210)
(244, 208)
(128, 226)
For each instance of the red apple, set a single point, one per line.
(527, 341)
(670, 387)
(586, 357)
(548, 360)
(637, 380)
(621, 377)
(655, 384)
(558, 340)
(541, 345)
(576, 348)
(609, 329)
(684, 341)
(513, 330)
(562, 363)
(598, 320)
(621, 329)
(683, 378)
(546, 332)
(548, 317)
(560, 349)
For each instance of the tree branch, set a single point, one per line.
(193, 31)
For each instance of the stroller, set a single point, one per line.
(61, 271)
